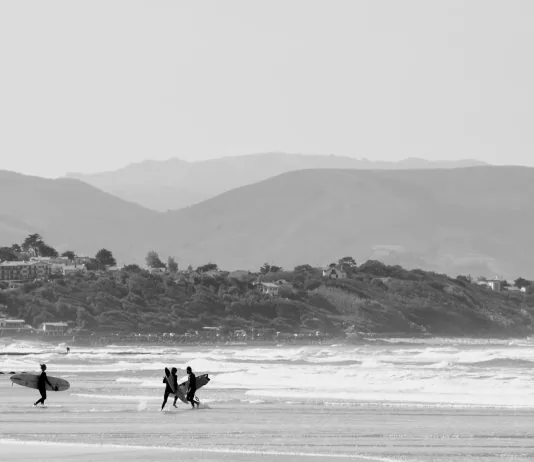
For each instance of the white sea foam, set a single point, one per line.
(28, 363)
(455, 373)
(440, 365)
(142, 406)
(129, 380)
(407, 399)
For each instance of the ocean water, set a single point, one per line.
(459, 373)
(394, 400)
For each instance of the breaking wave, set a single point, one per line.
(446, 372)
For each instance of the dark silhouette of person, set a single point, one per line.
(41, 385)
(168, 389)
(191, 388)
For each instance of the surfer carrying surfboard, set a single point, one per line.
(171, 382)
(191, 388)
(41, 385)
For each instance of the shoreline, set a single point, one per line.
(148, 452)
(359, 339)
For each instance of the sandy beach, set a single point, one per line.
(94, 432)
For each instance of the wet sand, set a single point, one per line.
(107, 430)
(101, 453)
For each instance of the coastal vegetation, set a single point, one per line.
(371, 298)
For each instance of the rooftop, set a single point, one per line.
(20, 263)
(15, 263)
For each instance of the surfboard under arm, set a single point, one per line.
(169, 380)
(182, 388)
(31, 381)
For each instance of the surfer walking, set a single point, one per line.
(191, 388)
(168, 389)
(41, 385)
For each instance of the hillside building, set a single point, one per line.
(12, 323)
(334, 272)
(494, 284)
(54, 328)
(268, 288)
(60, 265)
(9, 327)
(24, 271)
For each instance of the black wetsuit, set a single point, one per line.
(168, 390)
(41, 386)
(191, 389)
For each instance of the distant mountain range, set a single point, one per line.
(475, 220)
(173, 184)
(70, 214)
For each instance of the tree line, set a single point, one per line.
(34, 245)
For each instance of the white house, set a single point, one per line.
(494, 284)
(269, 288)
(12, 323)
(71, 269)
(54, 328)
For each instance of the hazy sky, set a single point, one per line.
(94, 85)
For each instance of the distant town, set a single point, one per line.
(34, 261)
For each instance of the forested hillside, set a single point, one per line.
(373, 298)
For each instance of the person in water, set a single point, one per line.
(191, 388)
(41, 385)
(168, 389)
